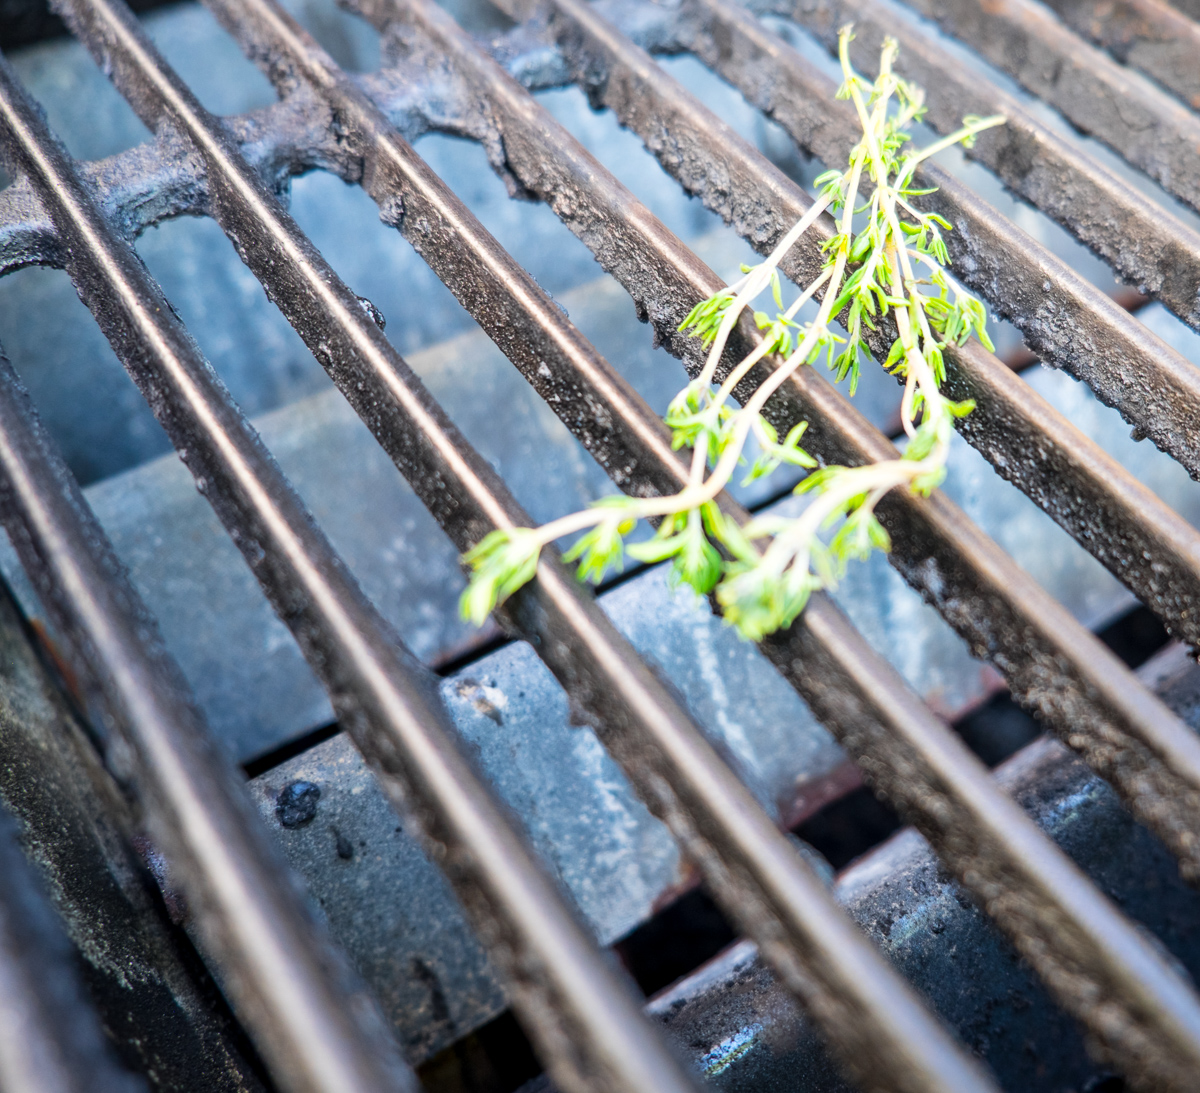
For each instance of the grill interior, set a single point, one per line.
(217, 575)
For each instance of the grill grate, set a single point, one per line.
(309, 1021)
(53, 1040)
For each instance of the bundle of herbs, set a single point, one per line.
(894, 264)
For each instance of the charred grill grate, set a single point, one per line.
(307, 1016)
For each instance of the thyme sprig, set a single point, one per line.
(765, 572)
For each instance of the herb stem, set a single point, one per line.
(870, 274)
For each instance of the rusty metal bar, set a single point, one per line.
(1149, 35)
(1190, 8)
(139, 973)
(1052, 664)
(50, 1039)
(986, 840)
(309, 1016)
(1140, 239)
(880, 1026)
(586, 1019)
(1100, 97)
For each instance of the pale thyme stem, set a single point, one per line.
(960, 134)
(699, 462)
(919, 375)
(736, 376)
(900, 275)
(748, 415)
(755, 282)
(874, 479)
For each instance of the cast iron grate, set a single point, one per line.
(308, 1017)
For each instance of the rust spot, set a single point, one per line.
(60, 662)
(687, 879)
(810, 797)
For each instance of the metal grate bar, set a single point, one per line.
(1088, 696)
(85, 842)
(51, 1041)
(1068, 322)
(1190, 8)
(1148, 128)
(1140, 239)
(1148, 35)
(901, 882)
(880, 1025)
(981, 834)
(316, 1028)
(589, 1021)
